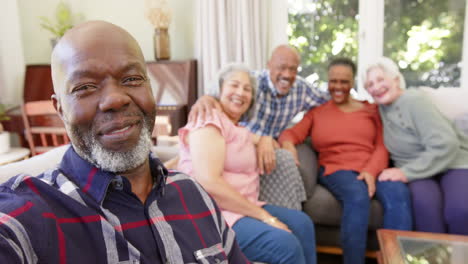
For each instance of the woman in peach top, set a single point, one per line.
(347, 134)
(221, 156)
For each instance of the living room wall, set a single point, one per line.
(127, 14)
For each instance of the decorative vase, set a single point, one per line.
(4, 142)
(162, 50)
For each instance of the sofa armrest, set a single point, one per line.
(308, 167)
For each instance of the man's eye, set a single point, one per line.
(83, 88)
(134, 80)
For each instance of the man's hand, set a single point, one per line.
(266, 155)
(289, 146)
(392, 174)
(370, 181)
(202, 107)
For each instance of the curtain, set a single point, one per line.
(236, 31)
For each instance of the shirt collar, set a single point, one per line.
(95, 181)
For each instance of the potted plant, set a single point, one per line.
(62, 22)
(4, 136)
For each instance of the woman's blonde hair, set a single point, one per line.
(389, 67)
(224, 73)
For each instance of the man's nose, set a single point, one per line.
(288, 73)
(113, 97)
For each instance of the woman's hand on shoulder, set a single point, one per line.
(202, 107)
(393, 174)
(289, 146)
(370, 181)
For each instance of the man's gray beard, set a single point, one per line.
(91, 150)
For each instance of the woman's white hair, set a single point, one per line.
(224, 73)
(389, 67)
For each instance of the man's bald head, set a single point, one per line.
(85, 38)
(285, 50)
(283, 65)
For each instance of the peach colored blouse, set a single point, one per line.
(240, 164)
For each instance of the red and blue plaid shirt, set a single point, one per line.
(77, 213)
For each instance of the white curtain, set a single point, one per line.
(236, 31)
(12, 63)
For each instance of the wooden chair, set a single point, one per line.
(42, 131)
(174, 85)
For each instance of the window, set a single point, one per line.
(425, 37)
(321, 30)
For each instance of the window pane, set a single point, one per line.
(322, 30)
(425, 38)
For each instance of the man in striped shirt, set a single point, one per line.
(281, 94)
(109, 200)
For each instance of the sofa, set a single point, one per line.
(320, 205)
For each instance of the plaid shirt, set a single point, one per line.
(77, 213)
(273, 113)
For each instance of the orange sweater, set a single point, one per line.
(343, 140)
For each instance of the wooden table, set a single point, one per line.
(391, 251)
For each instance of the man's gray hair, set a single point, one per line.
(389, 67)
(224, 73)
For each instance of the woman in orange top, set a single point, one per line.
(347, 134)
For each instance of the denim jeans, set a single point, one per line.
(353, 195)
(264, 243)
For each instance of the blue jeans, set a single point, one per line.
(264, 243)
(353, 195)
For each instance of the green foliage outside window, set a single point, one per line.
(424, 37)
(325, 30)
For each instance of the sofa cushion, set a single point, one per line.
(461, 122)
(450, 101)
(308, 167)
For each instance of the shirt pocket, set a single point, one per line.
(211, 255)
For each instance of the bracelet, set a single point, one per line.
(270, 220)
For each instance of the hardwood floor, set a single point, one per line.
(336, 259)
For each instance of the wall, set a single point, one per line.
(11, 55)
(128, 14)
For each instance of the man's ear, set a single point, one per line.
(57, 105)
